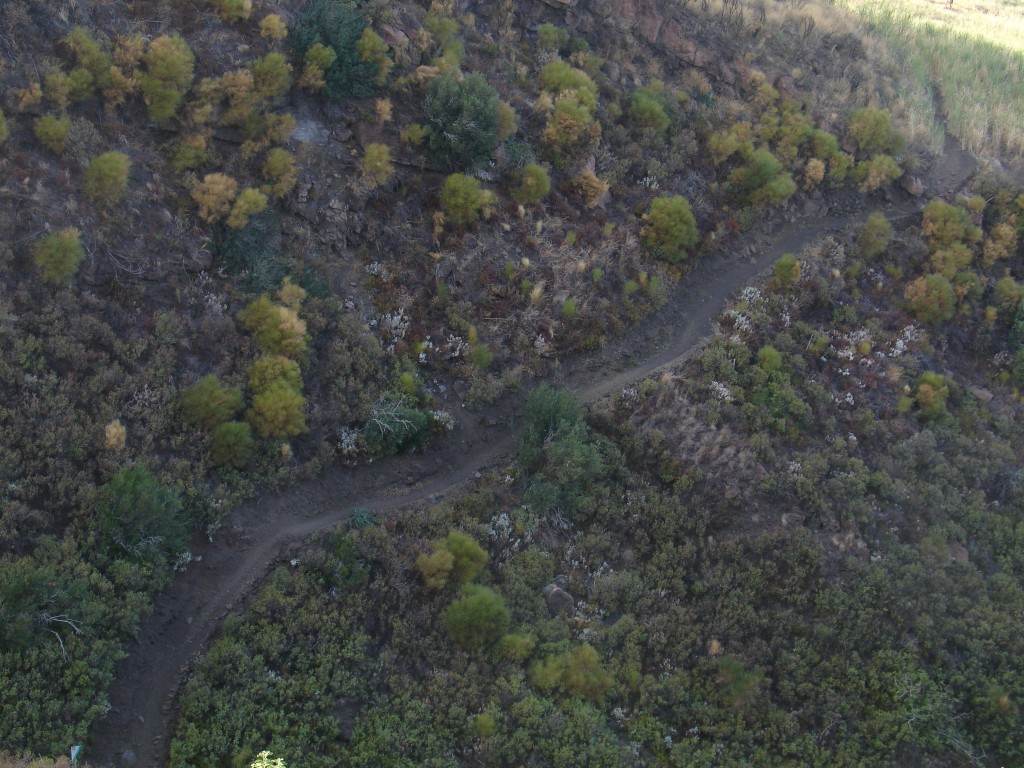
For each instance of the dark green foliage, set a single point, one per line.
(548, 411)
(337, 24)
(478, 618)
(208, 403)
(462, 117)
(231, 445)
(361, 517)
(141, 517)
(762, 181)
(252, 252)
(396, 426)
(647, 108)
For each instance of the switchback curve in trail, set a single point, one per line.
(184, 618)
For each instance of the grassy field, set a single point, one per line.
(973, 51)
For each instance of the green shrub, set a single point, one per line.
(534, 185)
(376, 166)
(943, 224)
(457, 556)
(278, 330)
(786, 271)
(338, 25)
(874, 236)
(569, 124)
(670, 229)
(477, 619)
(577, 672)
(58, 255)
(278, 412)
(268, 370)
(233, 10)
(462, 118)
(559, 77)
(463, 199)
(769, 359)
(481, 356)
(550, 37)
(280, 171)
(395, 426)
(931, 299)
(170, 67)
(52, 132)
(762, 181)
(208, 403)
(106, 177)
(271, 75)
(870, 129)
(871, 175)
(930, 395)
(5, 131)
(373, 50)
(248, 203)
(231, 445)
(141, 517)
(90, 56)
(647, 108)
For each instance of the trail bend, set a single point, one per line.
(144, 695)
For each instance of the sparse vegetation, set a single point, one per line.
(106, 178)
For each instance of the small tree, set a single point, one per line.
(274, 27)
(272, 75)
(278, 330)
(534, 185)
(462, 116)
(930, 394)
(58, 255)
(278, 412)
(233, 10)
(52, 132)
(270, 369)
(248, 203)
(670, 229)
(140, 516)
(208, 403)
(931, 299)
(786, 271)
(231, 445)
(874, 236)
(106, 177)
(281, 171)
(215, 195)
(373, 50)
(870, 129)
(338, 25)
(463, 200)
(170, 67)
(478, 618)
(763, 181)
(376, 165)
(943, 224)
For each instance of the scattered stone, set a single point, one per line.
(982, 394)
(958, 552)
(559, 601)
(912, 185)
(129, 758)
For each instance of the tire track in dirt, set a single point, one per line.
(184, 618)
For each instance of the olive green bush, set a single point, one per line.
(670, 229)
(170, 66)
(208, 403)
(534, 185)
(231, 445)
(478, 618)
(874, 236)
(58, 255)
(106, 177)
(463, 200)
(52, 132)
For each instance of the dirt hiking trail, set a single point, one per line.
(138, 728)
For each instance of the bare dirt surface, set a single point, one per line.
(143, 699)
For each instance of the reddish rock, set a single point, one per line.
(676, 42)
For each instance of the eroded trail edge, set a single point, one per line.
(138, 727)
